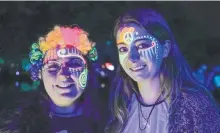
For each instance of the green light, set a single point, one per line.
(25, 64)
(93, 55)
(25, 87)
(2, 61)
(35, 84)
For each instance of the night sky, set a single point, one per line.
(196, 25)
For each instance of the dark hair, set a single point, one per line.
(175, 74)
(34, 113)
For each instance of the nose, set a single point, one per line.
(134, 55)
(64, 73)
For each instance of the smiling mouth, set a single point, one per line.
(66, 86)
(138, 68)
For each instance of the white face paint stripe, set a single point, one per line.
(150, 53)
(70, 52)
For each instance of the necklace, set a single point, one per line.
(146, 119)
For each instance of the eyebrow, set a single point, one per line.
(135, 41)
(52, 60)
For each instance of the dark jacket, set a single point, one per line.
(34, 118)
(194, 112)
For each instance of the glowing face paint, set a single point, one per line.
(126, 35)
(83, 78)
(69, 52)
(51, 55)
(143, 50)
(80, 72)
(76, 65)
(152, 53)
(129, 35)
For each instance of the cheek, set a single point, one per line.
(48, 82)
(148, 54)
(81, 78)
(154, 54)
(75, 73)
(49, 79)
(122, 59)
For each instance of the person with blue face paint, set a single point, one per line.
(154, 90)
(61, 60)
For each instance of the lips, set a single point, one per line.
(65, 86)
(137, 68)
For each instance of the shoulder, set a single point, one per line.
(198, 98)
(22, 119)
(6, 119)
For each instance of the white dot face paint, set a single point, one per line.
(140, 53)
(153, 53)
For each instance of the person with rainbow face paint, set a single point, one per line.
(61, 61)
(154, 90)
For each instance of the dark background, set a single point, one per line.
(196, 26)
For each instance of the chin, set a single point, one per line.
(63, 104)
(138, 79)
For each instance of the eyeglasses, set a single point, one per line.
(75, 64)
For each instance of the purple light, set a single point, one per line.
(17, 73)
(103, 85)
(16, 83)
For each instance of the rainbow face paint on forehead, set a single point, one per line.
(126, 36)
(55, 54)
(129, 34)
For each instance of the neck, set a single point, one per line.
(62, 110)
(150, 90)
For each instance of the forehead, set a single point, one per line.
(134, 29)
(63, 54)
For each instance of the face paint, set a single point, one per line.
(76, 65)
(51, 55)
(69, 52)
(82, 75)
(152, 53)
(129, 35)
(83, 78)
(141, 58)
(126, 35)
(81, 71)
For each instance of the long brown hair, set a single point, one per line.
(175, 74)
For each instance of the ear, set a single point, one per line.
(166, 48)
